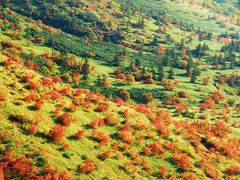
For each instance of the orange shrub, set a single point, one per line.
(33, 85)
(88, 167)
(233, 170)
(32, 129)
(66, 119)
(169, 84)
(105, 155)
(80, 134)
(38, 105)
(96, 122)
(209, 169)
(58, 133)
(182, 161)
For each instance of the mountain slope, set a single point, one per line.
(55, 121)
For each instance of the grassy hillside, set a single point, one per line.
(136, 90)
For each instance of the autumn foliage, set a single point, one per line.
(88, 167)
(58, 133)
(182, 161)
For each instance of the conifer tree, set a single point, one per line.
(171, 72)
(161, 74)
(196, 72)
(86, 69)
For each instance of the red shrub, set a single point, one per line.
(121, 76)
(111, 120)
(115, 146)
(147, 151)
(54, 95)
(163, 171)
(182, 94)
(221, 129)
(38, 40)
(141, 108)
(57, 79)
(3, 97)
(31, 97)
(47, 81)
(127, 137)
(182, 161)
(66, 119)
(66, 91)
(66, 147)
(217, 97)
(106, 83)
(32, 129)
(58, 133)
(126, 127)
(140, 126)
(104, 140)
(105, 155)
(238, 108)
(27, 77)
(208, 103)
(126, 113)
(156, 148)
(38, 105)
(96, 122)
(1, 174)
(119, 101)
(80, 134)
(21, 168)
(180, 108)
(87, 167)
(32, 65)
(206, 80)
(209, 169)
(190, 177)
(169, 84)
(101, 138)
(162, 128)
(170, 145)
(8, 62)
(101, 107)
(33, 85)
(233, 170)
(57, 111)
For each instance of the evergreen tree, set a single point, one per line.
(143, 72)
(171, 73)
(232, 58)
(182, 44)
(196, 72)
(155, 40)
(117, 60)
(189, 66)
(161, 74)
(154, 73)
(142, 23)
(139, 56)
(137, 62)
(210, 36)
(198, 50)
(86, 69)
(224, 65)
